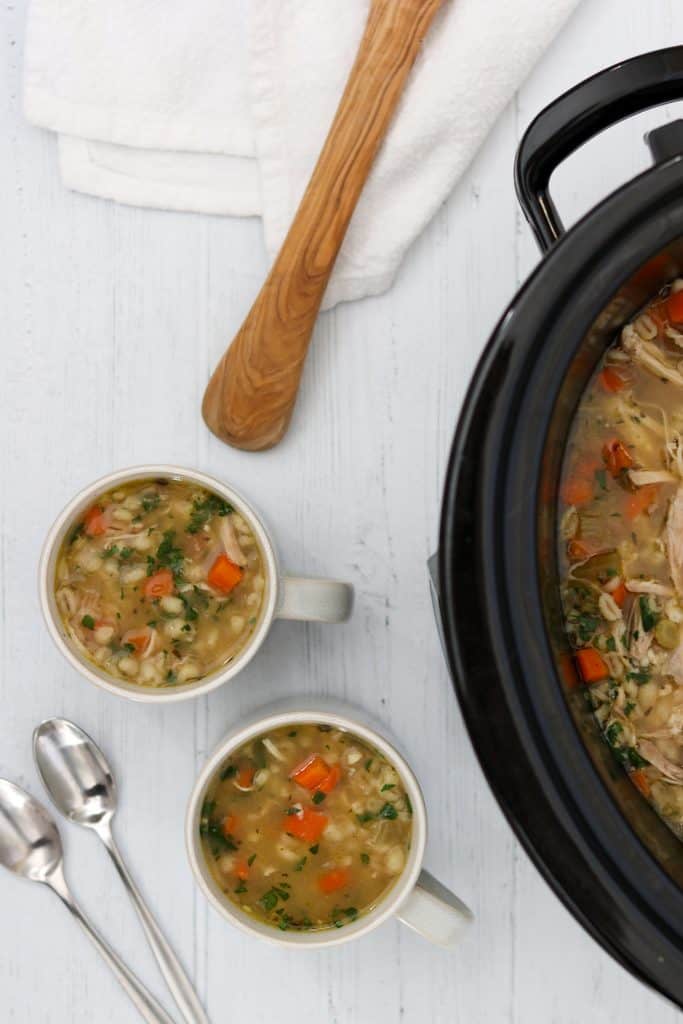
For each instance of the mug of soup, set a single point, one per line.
(307, 828)
(159, 584)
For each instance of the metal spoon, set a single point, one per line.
(80, 783)
(30, 846)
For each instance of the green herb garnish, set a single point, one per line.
(88, 622)
(204, 510)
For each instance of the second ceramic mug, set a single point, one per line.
(417, 898)
(286, 597)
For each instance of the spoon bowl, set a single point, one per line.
(80, 782)
(30, 844)
(75, 772)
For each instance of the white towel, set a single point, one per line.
(221, 107)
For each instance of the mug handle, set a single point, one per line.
(434, 912)
(307, 599)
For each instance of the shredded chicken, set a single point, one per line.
(651, 752)
(641, 477)
(230, 542)
(649, 356)
(674, 540)
(636, 586)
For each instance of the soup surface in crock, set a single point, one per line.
(621, 549)
(160, 583)
(306, 827)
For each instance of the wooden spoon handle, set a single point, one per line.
(251, 395)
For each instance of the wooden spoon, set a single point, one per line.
(250, 397)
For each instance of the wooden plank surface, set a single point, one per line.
(111, 320)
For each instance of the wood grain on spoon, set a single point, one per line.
(251, 395)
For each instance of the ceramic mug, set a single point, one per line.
(286, 597)
(416, 898)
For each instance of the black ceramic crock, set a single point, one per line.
(599, 844)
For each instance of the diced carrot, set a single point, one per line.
(333, 880)
(619, 594)
(577, 490)
(611, 381)
(567, 667)
(245, 775)
(311, 772)
(616, 457)
(641, 782)
(224, 575)
(640, 500)
(229, 826)
(330, 780)
(591, 666)
(139, 638)
(577, 550)
(674, 307)
(241, 868)
(160, 584)
(94, 522)
(309, 825)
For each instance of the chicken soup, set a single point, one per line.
(306, 827)
(160, 583)
(621, 549)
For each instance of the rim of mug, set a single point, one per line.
(102, 679)
(388, 905)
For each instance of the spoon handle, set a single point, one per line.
(250, 397)
(175, 977)
(147, 1006)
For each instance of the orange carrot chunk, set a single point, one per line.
(159, 585)
(224, 575)
(333, 880)
(94, 522)
(137, 638)
(674, 307)
(611, 381)
(311, 772)
(619, 594)
(309, 825)
(641, 782)
(591, 666)
(640, 500)
(616, 457)
(229, 826)
(577, 550)
(576, 490)
(241, 868)
(330, 780)
(245, 775)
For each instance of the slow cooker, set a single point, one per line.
(599, 844)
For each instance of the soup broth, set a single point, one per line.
(306, 827)
(160, 583)
(621, 549)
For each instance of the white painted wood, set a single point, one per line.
(111, 319)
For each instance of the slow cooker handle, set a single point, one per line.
(581, 113)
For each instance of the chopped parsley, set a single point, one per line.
(150, 501)
(365, 858)
(648, 617)
(88, 622)
(318, 797)
(168, 556)
(205, 509)
(314, 849)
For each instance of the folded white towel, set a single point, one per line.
(222, 107)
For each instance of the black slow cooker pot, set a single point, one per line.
(599, 844)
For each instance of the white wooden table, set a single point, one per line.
(111, 320)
